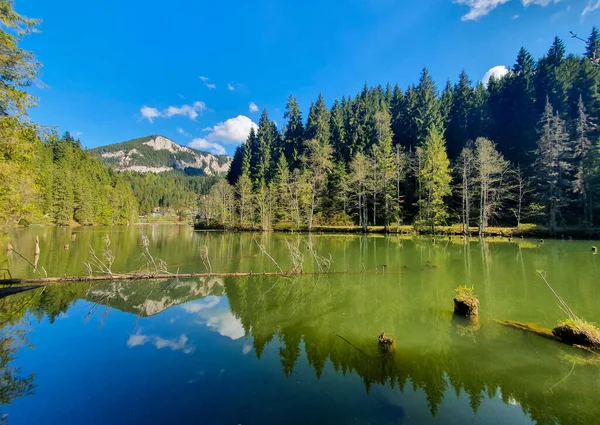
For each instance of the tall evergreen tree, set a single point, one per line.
(458, 131)
(552, 165)
(427, 108)
(317, 126)
(434, 178)
(293, 133)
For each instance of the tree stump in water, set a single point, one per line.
(575, 333)
(386, 344)
(466, 306)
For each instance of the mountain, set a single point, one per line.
(156, 154)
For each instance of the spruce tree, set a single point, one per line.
(458, 131)
(551, 166)
(427, 108)
(293, 133)
(434, 180)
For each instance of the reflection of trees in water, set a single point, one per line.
(12, 383)
(434, 354)
(41, 303)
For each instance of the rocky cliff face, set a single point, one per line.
(157, 154)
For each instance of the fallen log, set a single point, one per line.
(157, 276)
(543, 332)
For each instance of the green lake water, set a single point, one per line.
(300, 349)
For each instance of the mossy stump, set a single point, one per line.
(466, 306)
(576, 333)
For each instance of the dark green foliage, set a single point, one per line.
(173, 190)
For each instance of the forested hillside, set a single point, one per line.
(523, 149)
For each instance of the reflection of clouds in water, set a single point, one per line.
(179, 344)
(225, 324)
(220, 320)
(247, 348)
(204, 304)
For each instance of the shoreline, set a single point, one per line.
(526, 231)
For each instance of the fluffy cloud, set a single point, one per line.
(178, 344)
(204, 145)
(221, 320)
(497, 72)
(211, 86)
(149, 113)
(190, 111)
(253, 107)
(225, 324)
(590, 7)
(205, 79)
(234, 130)
(230, 87)
(479, 8)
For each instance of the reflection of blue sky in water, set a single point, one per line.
(214, 312)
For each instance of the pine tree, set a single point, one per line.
(385, 164)
(427, 108)
(592, 46)
(293, 132)
(446, 104)
(458, 131)
(551, 165)
(434, 179)
(338, 133)
(397, 112)
(583, 164)
(317, 126)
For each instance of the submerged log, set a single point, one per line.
(551, 334)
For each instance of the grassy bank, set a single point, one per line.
(525, 230)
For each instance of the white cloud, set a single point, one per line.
(221, 320)
(230, 87)
(77, 133)
(246, 349)
(590, 7)
(479, 8)
(149, 113)
(225, 324)
(205, 79)
(211, 86)
(515, 16)
(205, 145)
(137, 339)
(183, 132)
(234, 130)
(179, 344)
(253, 107)
(191, 111)
(497, 72)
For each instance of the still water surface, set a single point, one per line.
(296, 350)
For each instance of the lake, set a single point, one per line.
(295, 349)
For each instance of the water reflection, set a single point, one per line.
(336, 320)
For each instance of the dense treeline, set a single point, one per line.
(522, 148)
(45, 178)
(173, 190)
(49, 179)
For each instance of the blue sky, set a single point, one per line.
(189, 70)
